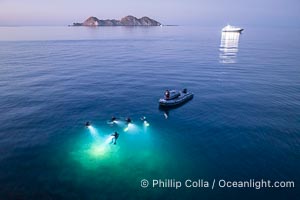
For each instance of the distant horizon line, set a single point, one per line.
(167, 25)
(68, 25)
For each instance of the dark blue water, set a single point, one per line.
(243, 123)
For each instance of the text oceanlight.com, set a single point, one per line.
(212, 184)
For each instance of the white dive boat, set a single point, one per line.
(174, 97)
(229, 28)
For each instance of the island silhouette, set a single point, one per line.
(125, 21)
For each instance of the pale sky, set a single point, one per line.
(180, 12)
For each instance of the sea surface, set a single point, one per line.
(243, 122)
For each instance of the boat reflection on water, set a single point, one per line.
(167, 110)
(229, 47)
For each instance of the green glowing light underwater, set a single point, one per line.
(96, 147)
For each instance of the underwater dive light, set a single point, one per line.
(146, 123)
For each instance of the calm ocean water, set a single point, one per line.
(243, 123)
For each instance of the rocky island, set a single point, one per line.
(126, 21)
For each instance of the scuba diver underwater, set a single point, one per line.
(128, 120)
(87, 124)
(115, 137)
(113, 118)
